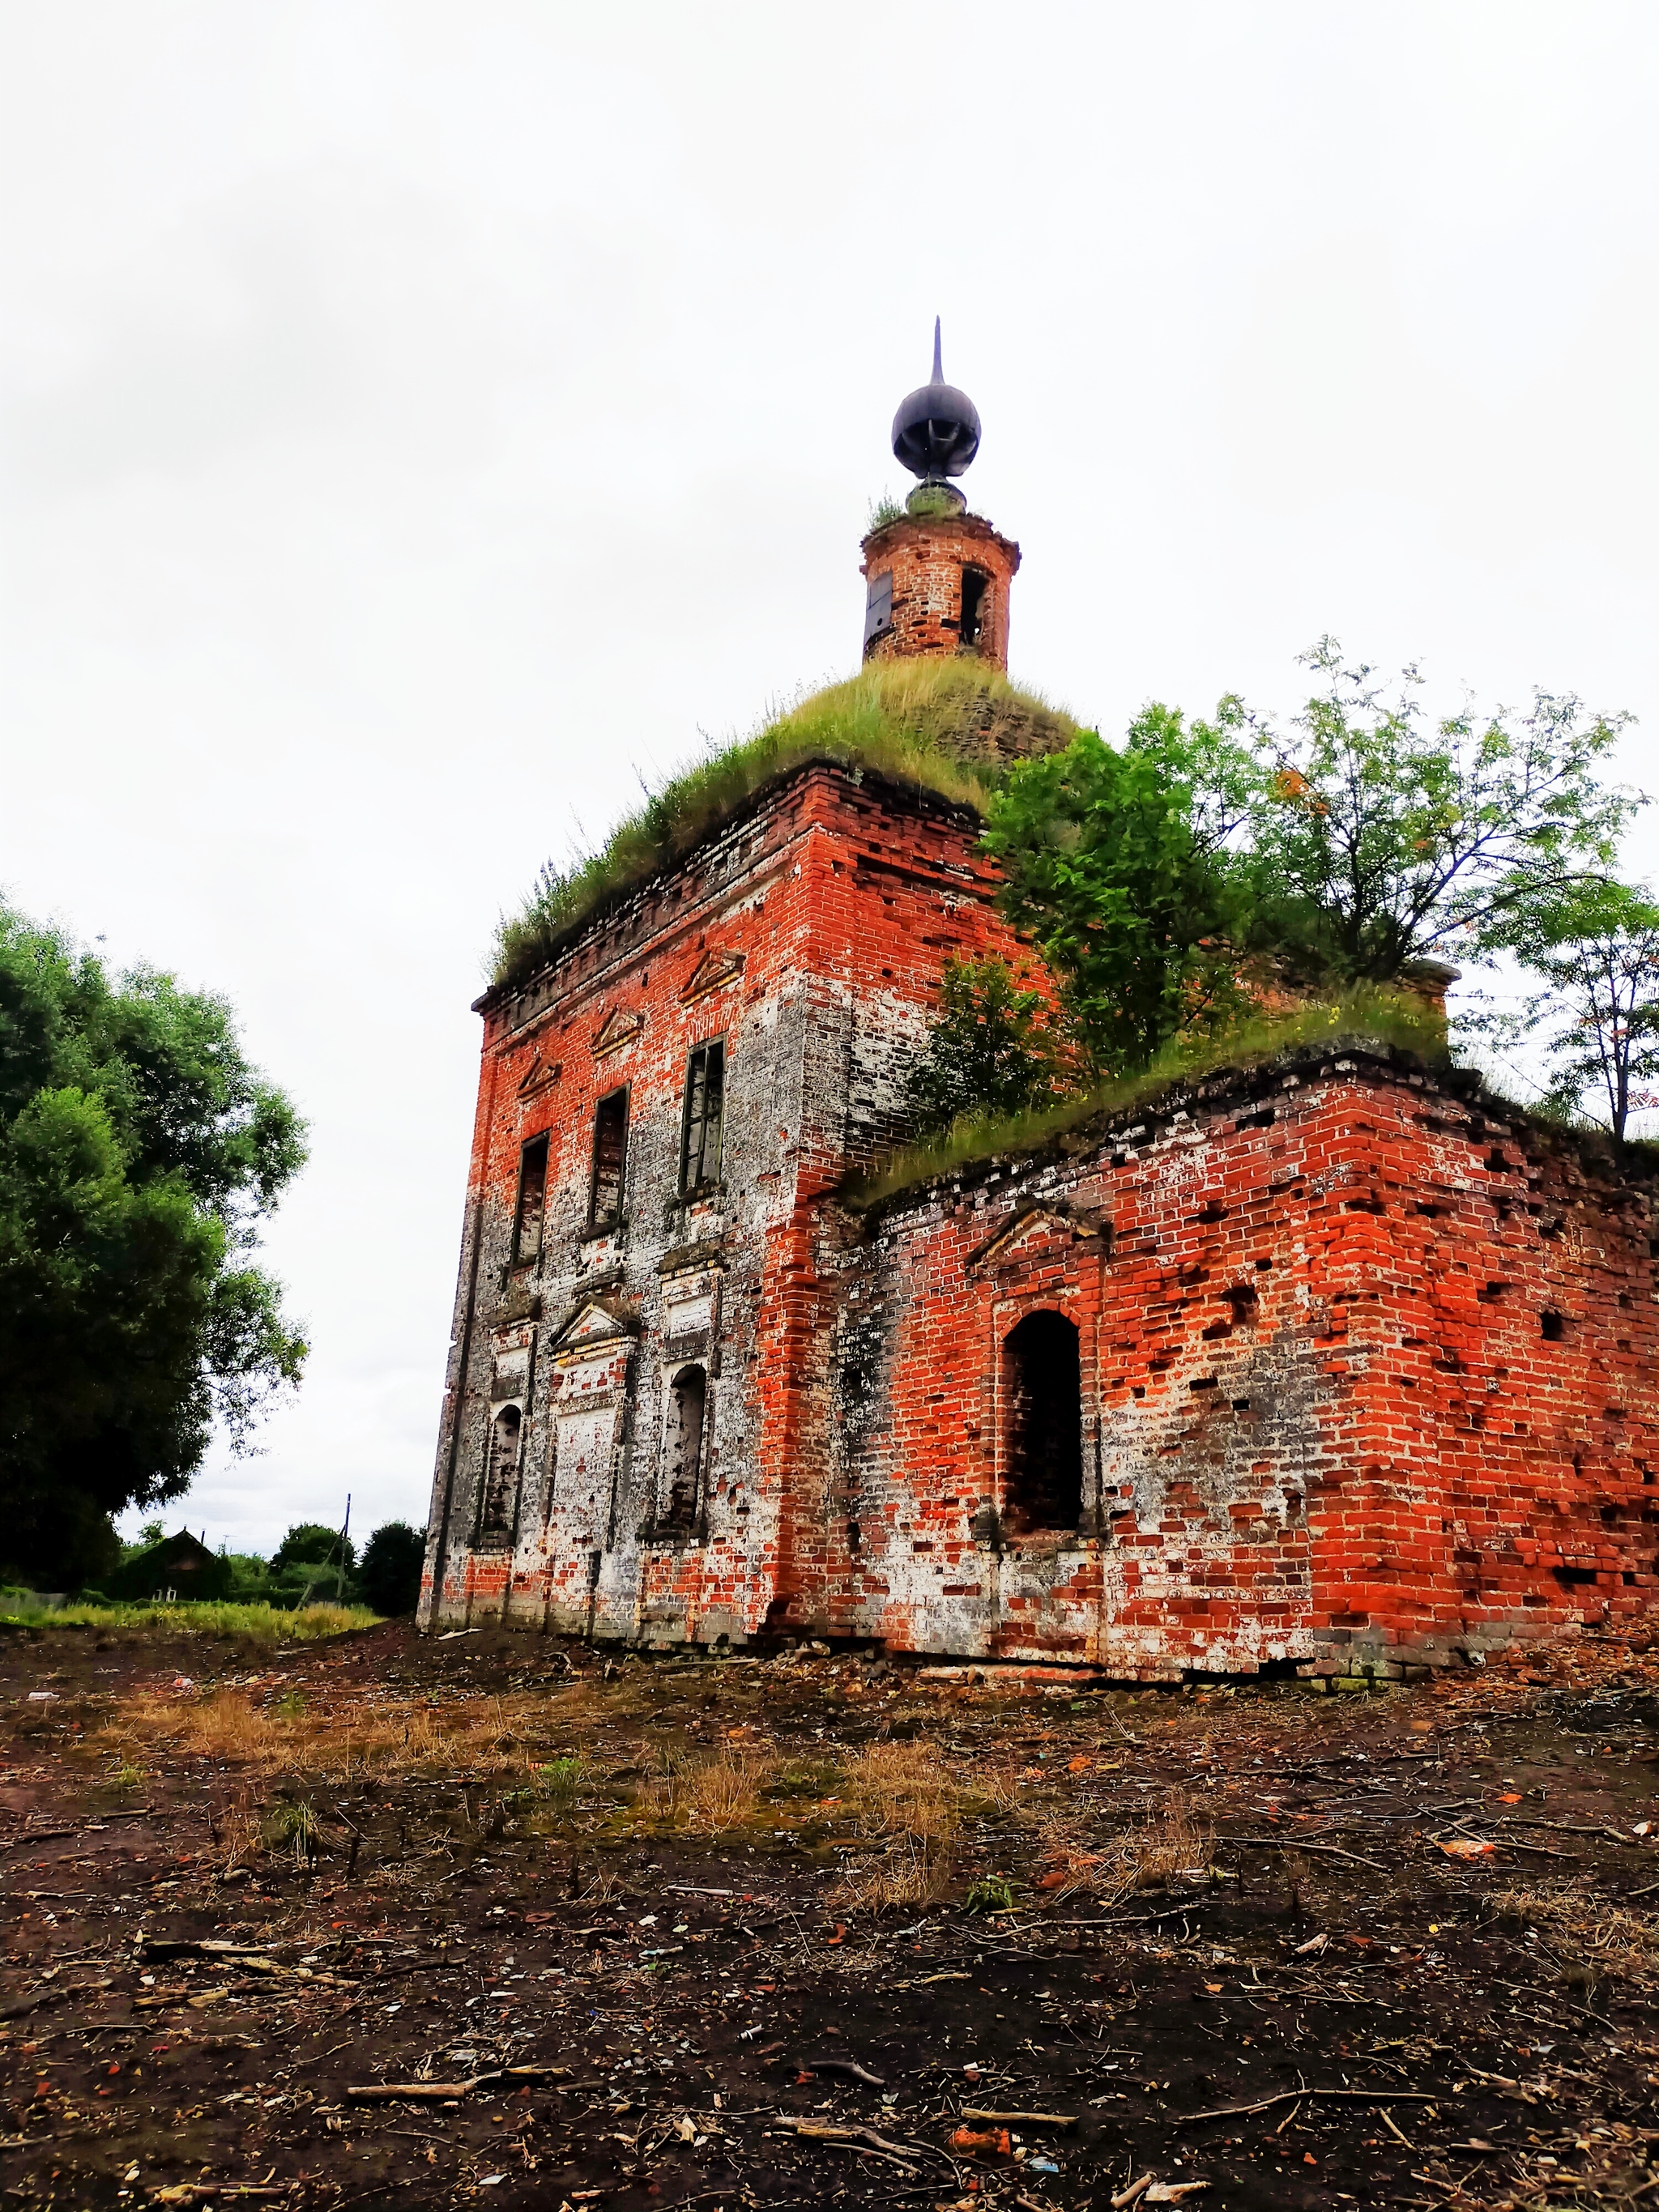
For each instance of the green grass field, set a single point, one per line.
(263, 1624)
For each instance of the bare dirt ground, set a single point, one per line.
(494, 1920)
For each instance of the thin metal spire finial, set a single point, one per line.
(938, 371)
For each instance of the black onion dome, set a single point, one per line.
(936, 430)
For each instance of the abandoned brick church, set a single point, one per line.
(1332, 1363)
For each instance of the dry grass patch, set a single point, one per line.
(490, 1737)
(1587, 1937)
(1169, 1843)
(709, 1796)
(909, 1808)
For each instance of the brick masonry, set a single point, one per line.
(1366, 1363)
(926, 559)
(806, 936)
(1367, 1384)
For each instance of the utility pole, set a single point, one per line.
(339, 1580)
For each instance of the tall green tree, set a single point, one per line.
(390, 1576)
(1597, 1012)
(139, 1153)
(1117, 864)
(1377, 837)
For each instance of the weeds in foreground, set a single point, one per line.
(992, 1892)
(290, 1826)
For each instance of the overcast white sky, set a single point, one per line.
(413, 417)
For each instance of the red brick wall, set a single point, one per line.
(1296, 1474)
(926, 556)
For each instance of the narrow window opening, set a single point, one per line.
(975, 607)
(705, 1102)
(1552, 1327)
(688, 1401)
(1043, 1376)
(501, 1475)
(533, 1201)
(610, 1157)
(878, 607)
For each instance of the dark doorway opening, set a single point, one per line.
(975, 588)
(1043, 1383)
(688, 1401)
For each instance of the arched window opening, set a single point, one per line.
(688, 1400)
(1043, 1384)
(501, 1476)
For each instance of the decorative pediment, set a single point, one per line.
(619, 1027)
(596, 1325)
(713, 969)
(1036, 1222)
(540, 1075)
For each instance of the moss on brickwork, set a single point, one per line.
(946, 725)
(1365, 1017)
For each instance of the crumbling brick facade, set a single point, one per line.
(1327, 1366)
(805, 939)
(1364, 1373)
(1366, 1379)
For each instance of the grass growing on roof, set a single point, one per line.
(1371, 1015)
(895, 718)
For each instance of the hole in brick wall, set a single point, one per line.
(976, 604)
(1575, 1577)
(688, 1399)
(1264, 1119)
(1492, 1292)
(1043, 1393)
(1609, 1516)
(1213, 1211)
(1243, 1301)
(1496, 1161)
(1552, 1327)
